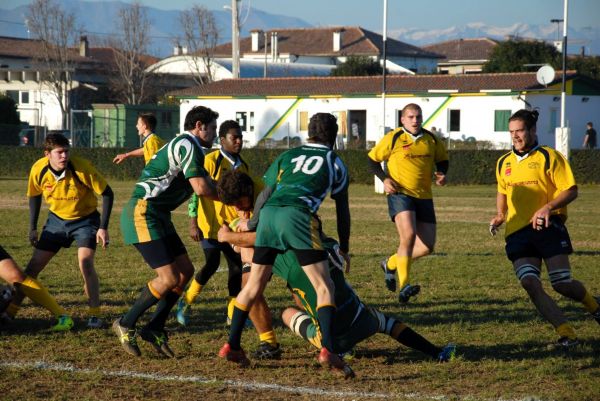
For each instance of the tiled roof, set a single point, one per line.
(356, 41)
(463, 49)
(366, 85)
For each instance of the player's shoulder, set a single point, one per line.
(39, 164)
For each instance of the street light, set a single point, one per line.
(557, 22)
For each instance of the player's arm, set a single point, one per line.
(242, 239)
(139, 152)
(195, 232)
(441, 169)
(204, 186)
(35, 203)
(562, 199)
(108, 198)
(261, 199)
(500, 217)
(389, 185)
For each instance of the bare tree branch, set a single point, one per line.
(56, 29)
(200, 36)
(130, 47)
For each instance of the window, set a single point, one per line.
(303, 121)
(501, 120)
(454, 120)
(553, 123)
(251, 122)
(241, 118)
(24, 97)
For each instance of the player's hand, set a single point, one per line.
(223, 233)
(243, 226)
(495, 224)
(33, 237)
(195, 232)
(541, 218)
(119, 158)
(102, 237)
(390, 186)
(440, 178)
(346, 257)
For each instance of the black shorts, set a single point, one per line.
(4, 254)
(58, 233)
(423, 208)
(160, 252)
(266, 256)
(542, 244)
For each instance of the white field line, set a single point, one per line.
(248, 385)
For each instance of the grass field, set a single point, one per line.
(469, 296)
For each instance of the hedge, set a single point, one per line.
(466, 166)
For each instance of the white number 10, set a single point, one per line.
(308, 166)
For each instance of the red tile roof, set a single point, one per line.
(356, 41)
(463, 49)
(366, 85)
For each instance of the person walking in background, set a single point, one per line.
(146, 124)
(70, 186)
(535, 185)
(413, 155)
(589, 140)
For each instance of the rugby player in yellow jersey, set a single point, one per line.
(535, 185)
(413, 155)
(146, 124)
(70, 186)
(31, 288)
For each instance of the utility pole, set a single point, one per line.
(235, 39)
(563, 133)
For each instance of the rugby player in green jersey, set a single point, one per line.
(355, 321)
(296, 184)
(172, 175)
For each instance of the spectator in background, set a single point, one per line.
(589, 140)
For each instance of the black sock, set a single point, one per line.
(145, 301)
(325, 315)
(414, 340)
(238, 320)
(163, 308)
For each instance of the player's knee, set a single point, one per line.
(529, 277)
(561, 280)
(287, 314)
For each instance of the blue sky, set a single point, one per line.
(406, 13)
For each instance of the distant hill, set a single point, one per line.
(93, 17)
(588, 36)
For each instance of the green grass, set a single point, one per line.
(469, 296)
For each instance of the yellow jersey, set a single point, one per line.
(410, 160)
(213, 214)
(72, 195)
(531, 181)
(151, 144)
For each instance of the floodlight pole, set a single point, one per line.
(562, 136)
(384, 75)
(235, 39)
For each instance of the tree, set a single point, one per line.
(357, 66)
(8, 111)
(514, 55)
(131, 83)
(585, 65)
(200, 36)
(56, 29)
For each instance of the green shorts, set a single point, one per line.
(287, 227)
(143, 222)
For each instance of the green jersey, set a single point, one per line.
(303, 176)
(164, 180)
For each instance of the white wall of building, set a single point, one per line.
(42, 107)
(477, 114)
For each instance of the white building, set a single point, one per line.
(462, 106)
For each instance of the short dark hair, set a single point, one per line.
(228, 125)
(53, 141)
(233, 185)
(591, 124)
(323, 128)
(529, 117)
(199, 113)
(411, 106)
(149, 119)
